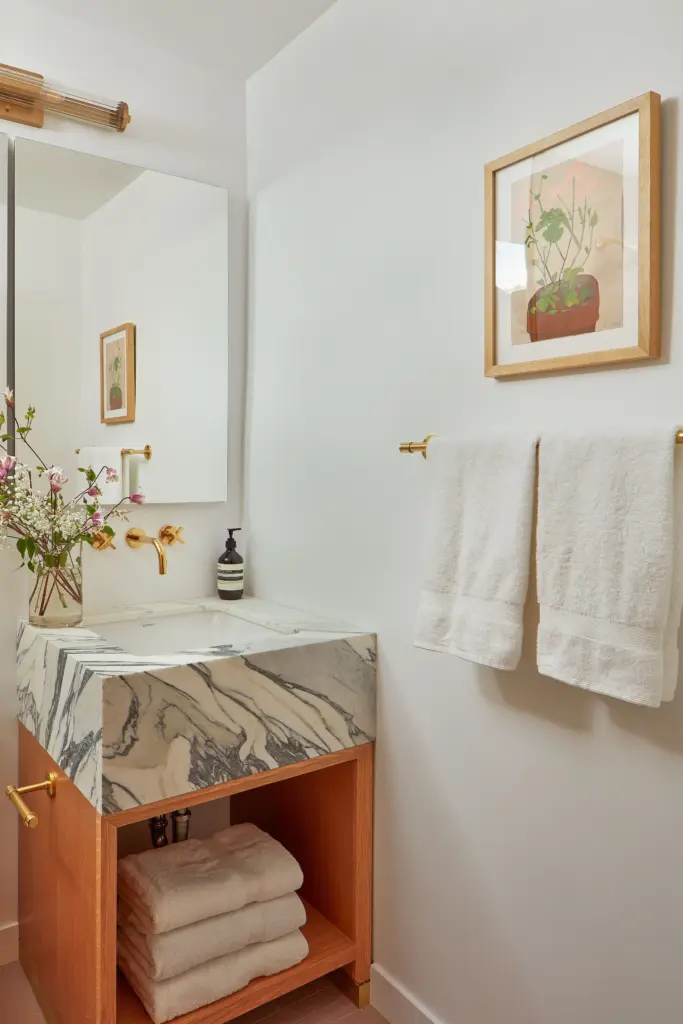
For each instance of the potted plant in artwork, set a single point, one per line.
(115, 390)
(48, 529)
(560, 239)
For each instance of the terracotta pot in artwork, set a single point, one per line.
(115, 397)
(565, 320)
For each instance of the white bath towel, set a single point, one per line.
(187, 882)
(214, 980)
(165, 956)
(478, 549)
(609, 563)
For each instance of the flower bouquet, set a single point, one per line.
(49, 529)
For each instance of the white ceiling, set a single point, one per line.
(235, 36)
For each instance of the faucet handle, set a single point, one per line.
(170, 535)
(101, 541)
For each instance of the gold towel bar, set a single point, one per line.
(420, 447)
(146, 451)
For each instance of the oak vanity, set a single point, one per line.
(273, 708)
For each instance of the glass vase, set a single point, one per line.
(56, 600)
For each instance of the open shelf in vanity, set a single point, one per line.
(329, 949)
(320, 809)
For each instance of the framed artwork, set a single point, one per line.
(117, 375)
(572, 246)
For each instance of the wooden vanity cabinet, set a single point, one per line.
(320, 809)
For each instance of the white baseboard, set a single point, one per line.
(396, 1004)
(9, 943)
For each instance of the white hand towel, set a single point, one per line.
(214, 980)
(165, 956)
(479, 540)
(609, 564)
(98, 459)
(200, 878)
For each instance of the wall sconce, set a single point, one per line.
(25, 96)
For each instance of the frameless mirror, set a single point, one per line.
(121, 286)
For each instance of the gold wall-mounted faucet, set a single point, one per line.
(136, 537)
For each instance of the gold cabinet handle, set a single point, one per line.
(29, 817)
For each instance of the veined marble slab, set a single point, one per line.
(131, 729)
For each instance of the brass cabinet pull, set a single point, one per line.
(29, 817)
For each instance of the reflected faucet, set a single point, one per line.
(136, 537)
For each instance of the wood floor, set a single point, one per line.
(317, 1003)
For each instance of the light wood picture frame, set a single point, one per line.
(572, 246)
(117, 375)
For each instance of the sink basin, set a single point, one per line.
(171, 634)
(155, 702)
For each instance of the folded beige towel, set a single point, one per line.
(201, 878)
(165, 956)
(214, 980)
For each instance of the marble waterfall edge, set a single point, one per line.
(130, 730)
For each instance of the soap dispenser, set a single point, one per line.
(231, 570)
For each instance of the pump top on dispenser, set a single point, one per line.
(230, 579)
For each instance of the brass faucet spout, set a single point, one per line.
(136, 537)
(161, 555)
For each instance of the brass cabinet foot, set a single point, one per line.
(357, 991)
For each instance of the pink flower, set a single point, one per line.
(56, 478)
(6, 466)
(96, 521)
(94, 491)
(112, 476)
(137, 499)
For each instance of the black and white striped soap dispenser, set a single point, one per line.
(231, 570)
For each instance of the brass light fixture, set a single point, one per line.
(25, 96)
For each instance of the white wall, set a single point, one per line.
(529, 835)
(156, 254)
(186, 121)
(48, 297)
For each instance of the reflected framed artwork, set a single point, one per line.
(572, 244)
(117, 375)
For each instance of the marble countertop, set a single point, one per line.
(130, 729)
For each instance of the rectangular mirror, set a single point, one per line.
(121, 285)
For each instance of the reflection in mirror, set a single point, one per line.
(3, 260)
(122, 318)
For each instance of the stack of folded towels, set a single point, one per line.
(201, 919)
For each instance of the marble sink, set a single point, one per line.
(156, 702)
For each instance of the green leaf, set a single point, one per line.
(108, 530)
(21, 546)
(552, 224)
(584, 295)
(571, 299)
(586, 250)
(543, 303)
(594, 220)
(544, 177)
